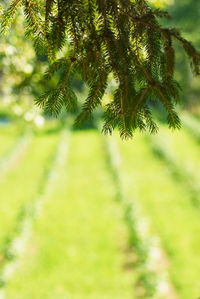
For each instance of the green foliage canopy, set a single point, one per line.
(103, 37)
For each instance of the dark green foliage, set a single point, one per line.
(102, 37)
(63, 95)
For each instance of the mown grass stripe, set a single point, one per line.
(13, 156)
(152, 279)
(172, 148)
(167, 205)
(21, 184)
(9, 136)
(76, 250)
(17, 245)
(192, 125)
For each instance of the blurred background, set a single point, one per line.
(84, 215)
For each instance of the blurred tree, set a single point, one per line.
(96, 38)
(186, 16)
(20, 68)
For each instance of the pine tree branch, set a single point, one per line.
(102, 37)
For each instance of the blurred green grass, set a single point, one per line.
(168, 206)
(8, 138)
(22, 183)
(75, 248)
(78, 245)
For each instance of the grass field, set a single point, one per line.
(85, 216)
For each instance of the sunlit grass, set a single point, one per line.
(183, 150)
(78, 247)
(22, 184)
(169, 209)
(180, 151)
(8, 138)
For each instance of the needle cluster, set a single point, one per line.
(103, 37)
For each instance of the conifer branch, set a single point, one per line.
(118, 37)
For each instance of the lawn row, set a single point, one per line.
(8, 138)
(16, 245)
(181, 152)
(21, 184)
(94, 260)
(168, 206)
(81, 245)
(79, 268)
(151, 276)
(78, 248)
